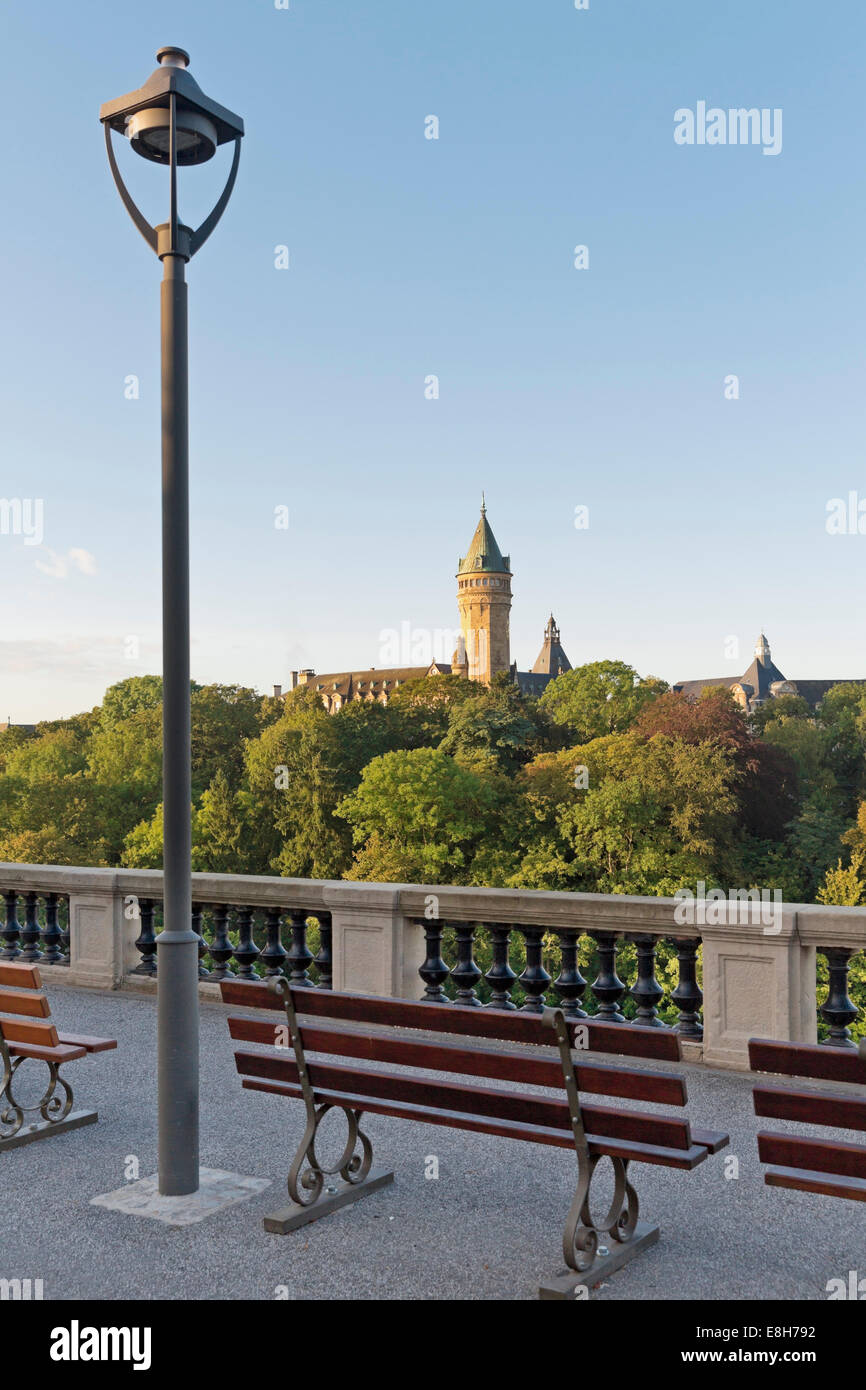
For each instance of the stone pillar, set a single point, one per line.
(97, 932)
(758, 982)
(376, 950)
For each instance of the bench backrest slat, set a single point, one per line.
(820, 1155)
(42, 1034)
(810, 1107)
(620, 1039)
(23, 976)
(454, 1096)
(807, 1059)
(28, 1004)
(657, 1087)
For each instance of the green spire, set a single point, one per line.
(484, 555)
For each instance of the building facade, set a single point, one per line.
(761, 681)
(483, 649)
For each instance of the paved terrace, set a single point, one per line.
(489, 1228)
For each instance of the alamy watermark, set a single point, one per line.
(740, 906)
(23, 516)
(713, 125)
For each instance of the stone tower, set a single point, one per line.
(484, 601)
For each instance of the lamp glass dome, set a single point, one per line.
(149, 134)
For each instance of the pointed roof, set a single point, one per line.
(484, 555)
(551, 660)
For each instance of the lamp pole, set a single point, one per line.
(170, 121)
(177, 944)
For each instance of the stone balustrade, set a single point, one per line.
(757, 970)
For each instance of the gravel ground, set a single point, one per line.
(488, 1228)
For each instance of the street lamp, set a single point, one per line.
(170, 121)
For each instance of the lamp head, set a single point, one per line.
(143, 115)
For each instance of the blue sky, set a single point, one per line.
(409, 257)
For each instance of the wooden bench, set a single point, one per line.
(806, 1164)
(592, 1131)
(29, 1035)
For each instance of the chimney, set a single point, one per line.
(293, 676)
(278, 690)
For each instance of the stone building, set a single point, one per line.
(761, 681)
(484, 646)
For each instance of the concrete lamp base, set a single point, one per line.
(217, 1191)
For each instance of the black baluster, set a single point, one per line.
(11, 932)
(535, 978)
(30, 931)
(300, 955)
(66, 934)
(500, 976)
(687, 996)
(434, 972)
(146, 939)
(466, 973)
(221, 948)
(646, 990)
(203, 972)
(569, 983)
(607, 987)
(324, 960)
(838, 1010)
(246, 952)
(52, 936)
(274, 954)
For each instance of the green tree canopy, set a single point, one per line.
(603, 697)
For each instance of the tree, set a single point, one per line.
(421, 707)
(844, 887)
(490, 732)
(417, 816)
(603, 697)
(222, 718)
(655, 816)
(782, 707)
(298, 771)
(129, 697)
(142, 847)
(217, 832)
(766, 781)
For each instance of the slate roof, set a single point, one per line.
(551, 660)
(484, 555)
(532, 682)
(374, 682)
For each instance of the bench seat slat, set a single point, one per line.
(656, 1087)
(819, 1155)
(807, 1059)
(802, 1181)
(88, 1043)
(713, 1140)
(39, 1031)
(22, 976)
(62, 1053)
(29, 1005)
(684, 1159)
(623, 1039)
(544, 1111)
(811, 1107)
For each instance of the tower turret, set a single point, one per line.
(484, 601)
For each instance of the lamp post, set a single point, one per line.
(170, 121)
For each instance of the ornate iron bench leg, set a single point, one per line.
(312, 1195)
(588, 1259)
(54, 1108)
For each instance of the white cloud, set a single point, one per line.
(79, 656)
(83, 560)
(57, 566)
